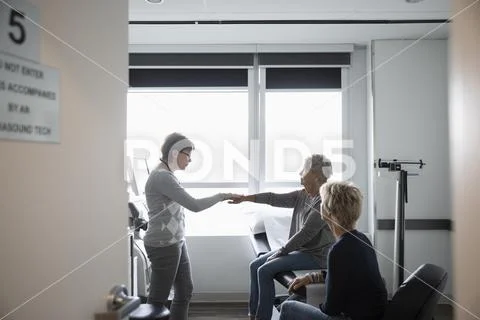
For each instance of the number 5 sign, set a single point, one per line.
(19, 36)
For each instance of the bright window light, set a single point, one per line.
(296, 123)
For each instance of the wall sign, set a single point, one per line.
(29, 100)
(19, 36)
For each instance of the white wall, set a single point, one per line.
(220, 267)
(465, 155)
(356, 125)
(410, 123)
(62, 204)
(198, 10)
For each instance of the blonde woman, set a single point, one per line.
(354, 286)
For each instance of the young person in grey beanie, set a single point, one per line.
(309, 237)
(165, 237)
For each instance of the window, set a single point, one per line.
(248, 138)
(296, 125)
(217, 121)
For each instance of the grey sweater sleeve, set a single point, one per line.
(284, 200)
(172, 189)
(312, 227)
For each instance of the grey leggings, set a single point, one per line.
(171, 267)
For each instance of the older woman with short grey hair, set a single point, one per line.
(309, 237)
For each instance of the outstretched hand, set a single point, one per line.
(231, 196)
(236, 199)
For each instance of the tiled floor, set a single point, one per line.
(215, 311)
(238, 311)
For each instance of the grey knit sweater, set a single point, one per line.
(166, 200)
(308, 232)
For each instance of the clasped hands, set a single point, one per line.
(299, 282)
(232, 197)
(236, 198)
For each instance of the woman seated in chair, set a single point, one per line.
(354, 286)
(309, 239)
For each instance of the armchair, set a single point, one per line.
(418, 296)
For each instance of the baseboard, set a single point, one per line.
(220, 297)
(243, 297)
(446, 299)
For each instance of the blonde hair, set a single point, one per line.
(342, 202)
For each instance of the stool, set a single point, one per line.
(120, 305)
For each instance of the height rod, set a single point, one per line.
(401, 199)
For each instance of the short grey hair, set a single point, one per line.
(319, 164)
(341, 201)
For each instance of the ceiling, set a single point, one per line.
(356, 21)
(287, 9)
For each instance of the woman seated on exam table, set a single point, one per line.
(309, 238)
(354, 286)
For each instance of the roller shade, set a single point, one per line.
(144, 78)
(304, 78)
(192, 60)
(283, 70)
(304, 59)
